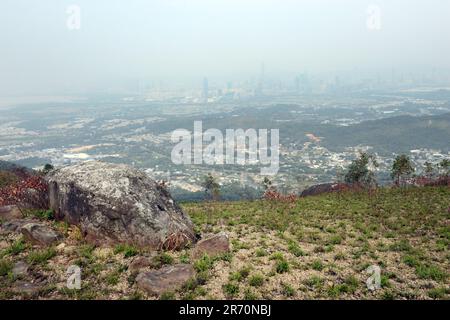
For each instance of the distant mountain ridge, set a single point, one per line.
(396, 134)
(10, 166)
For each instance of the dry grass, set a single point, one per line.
(318, 248)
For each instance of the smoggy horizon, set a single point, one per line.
(58, 47)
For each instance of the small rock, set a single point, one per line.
(40, 234)
(168, 278)
(26, 287)
(213, 246)
(20, 268)
(10, 213)
(3, 244)
(12, 226)
(139, 263)
(61, 247)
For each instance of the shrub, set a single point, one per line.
(256, 280)
(230, 289)
(127, 250)
(261, 252)
(169, 295)
(203, 264)
(317, 265)
(287, 290)
(41, 256)
(5, 267)
(16, 247)
(162, 259)
(282, 266)
(295, 249)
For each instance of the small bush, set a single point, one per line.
(230, 289)
(287, 290)
(41, 256)
(314, 282)
(5, 267)
(295, 249)
(169, 295)
(282, 266)
(261, 252)
(16, 247)
(113, 278)
(203, 264)
(127, 250)
(162, 259)
(317, 265)
(256, 280)
(41, 214)
(431, 272)
(438, 293)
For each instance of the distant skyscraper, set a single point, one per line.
(205, 90)
(297, 84)
(260, 87)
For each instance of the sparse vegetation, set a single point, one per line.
(318, 248)
(127, 250)
(41, 256)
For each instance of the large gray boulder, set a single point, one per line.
(114, 203)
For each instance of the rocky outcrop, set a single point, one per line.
(166, 279)
(139, 263)
(323, 188)
(10, 212)
(40, 234)
(212, 246)
(20, 269)
(115, 203)
(14, 225)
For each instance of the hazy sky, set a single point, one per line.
(121, 40)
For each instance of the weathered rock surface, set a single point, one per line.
(26, 287)
(139, 263)
(212, 246)
(10, 212)
(40, 234)
(168, 278)
(20, 268)
(14, 225)
(115, 203)
(322, 188)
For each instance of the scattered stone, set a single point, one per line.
(115, 203)
(20, 269)
(139, 263)
(323, 188)
(26, 287)
(61, 247)
(10, 212)
(168, 278)
(212, 246)
(4, 244)
(40, 234)
(14, 225)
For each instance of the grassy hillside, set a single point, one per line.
(316, 248)
(321, 246)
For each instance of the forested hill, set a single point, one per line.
(397, 134)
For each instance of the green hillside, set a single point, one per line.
(321, 246)
(317, 247)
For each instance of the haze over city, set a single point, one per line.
(177, 43)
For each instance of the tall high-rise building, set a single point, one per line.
(205, 90)
(260, 86)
